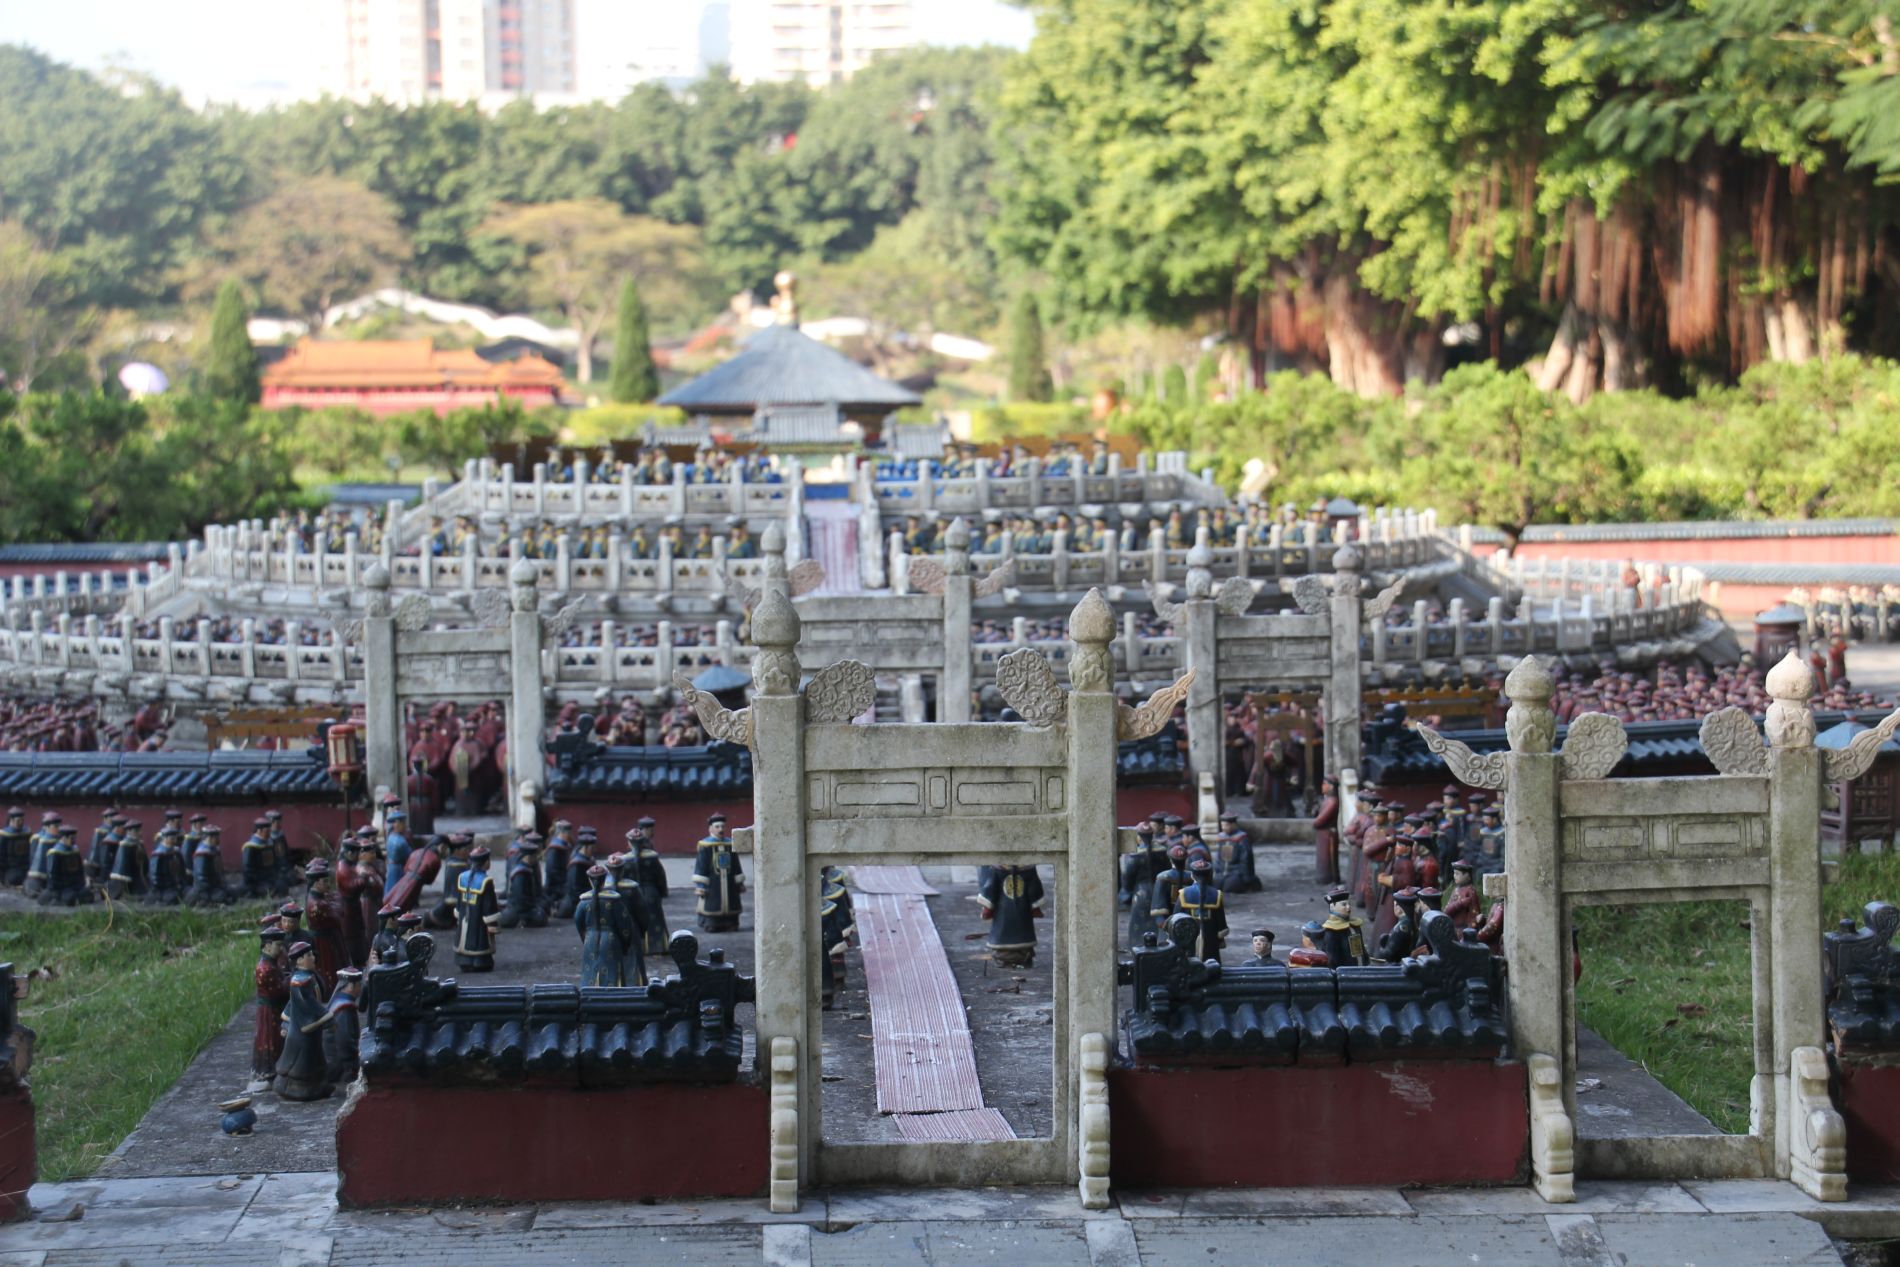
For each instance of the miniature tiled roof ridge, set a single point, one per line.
(781, 366)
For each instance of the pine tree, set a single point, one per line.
(1028, 369)
(1206, 375)
(634, 378)
(230, 371)
(1174, 385)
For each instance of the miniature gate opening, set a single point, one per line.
(828, 792)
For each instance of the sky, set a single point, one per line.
(248, 51)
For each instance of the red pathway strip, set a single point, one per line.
(920, 1035)
(891, 880)
(975, 1124)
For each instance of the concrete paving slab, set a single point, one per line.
(730, 1246)
(896, 1205)
(196, 1191)
(121, 1227)
(954, 1244)
(1306, 1202)
(1112, 1244)
(422, 1223)
(1416, 1241)
(1579, 1241)
(1594, 1196)
(787, 1245)
(1869, 1212)
(673, 1214)
(1745, 1240)
(27, 1258)
(168, 1254)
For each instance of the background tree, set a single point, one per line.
(314, 242)
(1028, 366)
(577, 248)
(43, 321)
(634, 377)
(230, 371)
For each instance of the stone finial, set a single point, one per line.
(1346, 579)
(772, 545)
(1346, 559)
(1200, 562)
(785, 303)
(376, 581)
(1091, 629)
(1530, 726)
(956, 548)
(775, 629)
(1790, 723)
(523, 576)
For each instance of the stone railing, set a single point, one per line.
(1388, 541)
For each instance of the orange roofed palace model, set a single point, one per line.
(398, 375)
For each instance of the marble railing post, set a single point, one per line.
(959, 587)
(526, 721)
(1196, 627)
(1158, 555)
(1794, 894)
(609, 651)
(1346, 610)
(382, 710)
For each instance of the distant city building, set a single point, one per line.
(818, 41)
(397, 375)
(622, 43)
(454, 50)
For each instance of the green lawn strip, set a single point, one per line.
(134, 994)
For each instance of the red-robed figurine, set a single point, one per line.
(1325, 833)
(273, 991)
(418, 871)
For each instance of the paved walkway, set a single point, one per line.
(291, 1220)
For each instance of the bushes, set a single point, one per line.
(1787, 441)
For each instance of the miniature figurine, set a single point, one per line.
(166, 880)
(16, 848)
(257, 861)
(442, 914)
(207, 873)
(1202, 899)
(1325, 840)
(477, 915)
(1366, 801)
(65, 872)
(44, 839)
(1463, 904)
(1149, 863)
(836, 924)
(396, 849)
(1234, 859)
(420, 865)
(554, 856)
(1402, 938)
(524, 904)
(580, 860)
(383, 947)
(1398, 873)
(1378, 843)
(371, 896)
(607, 932)
(650, 870)
(323, 910)
(300, 1068)
(1490, 842)
(350, 884)
(1262, 946)
(718, 879)
(1128, 866)
(279, 852)
(273, 991)
(1009, 901)
(133, 873)
(343, 1029)
(1167, 886)
(1308, 953)
(102, 849)
(1343, 937)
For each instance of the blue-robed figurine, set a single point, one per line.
(15, 847)
(65, 872)
(257, 864)
(524, 903)
(207, 871)
(1202, 898)
(43, 840)
(718, 879)
(477, 912)
(610, 940)
(554, 859)
(650, 871)
(396, 845)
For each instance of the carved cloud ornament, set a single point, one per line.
(1234, 596)
(1486, 770)
(1001, 575)
(839, 693)
(1377, 606)
(733, 726)
(1029, 686)
(1311, 594)
(926, 575)
(1164, 609)
(1858, 756)
(413, 613)
(559, 623)
(1148, 718)
(1732, 744)
(801, 578)
(1593, 745)
(490, 607)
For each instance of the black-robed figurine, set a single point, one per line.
(169, 869)
(607, 932)
(207, 872)
(386, 945)
(718, 879)
(257, 866)
(1202, 899)
(1262, 947)
(1167, 886)
(43, 839)
(644, 858)
(836, 922)
(65, 872)
(103, 848)
(525, 904)
(477, 914)
(1403, 936)
(131, 871)
(343, 1029)
(1009, 901)
(580, 860)
(16, 847)
(554, 856)
(300, 1070)
(454, 863)
(1234, 867)
(1343, 938)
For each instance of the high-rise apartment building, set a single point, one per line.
(620, 43)
(819, 41)
(458, 50)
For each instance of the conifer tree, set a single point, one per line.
(231, 364)
(1028, 368)
(634, 377)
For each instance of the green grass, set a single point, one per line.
(1670, 986)
(132, 996)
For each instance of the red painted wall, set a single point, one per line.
(550, 1143)
(1867, 549)
(1870, 1105)
(1408, 1122)
(18, 1159)
(380, 403)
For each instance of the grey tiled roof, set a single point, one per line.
(1700, 530)
(1800, 573)
(74, 553)
(781, 366)
(170, 776)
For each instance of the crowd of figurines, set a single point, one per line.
(184, 864)
(1401, 867)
